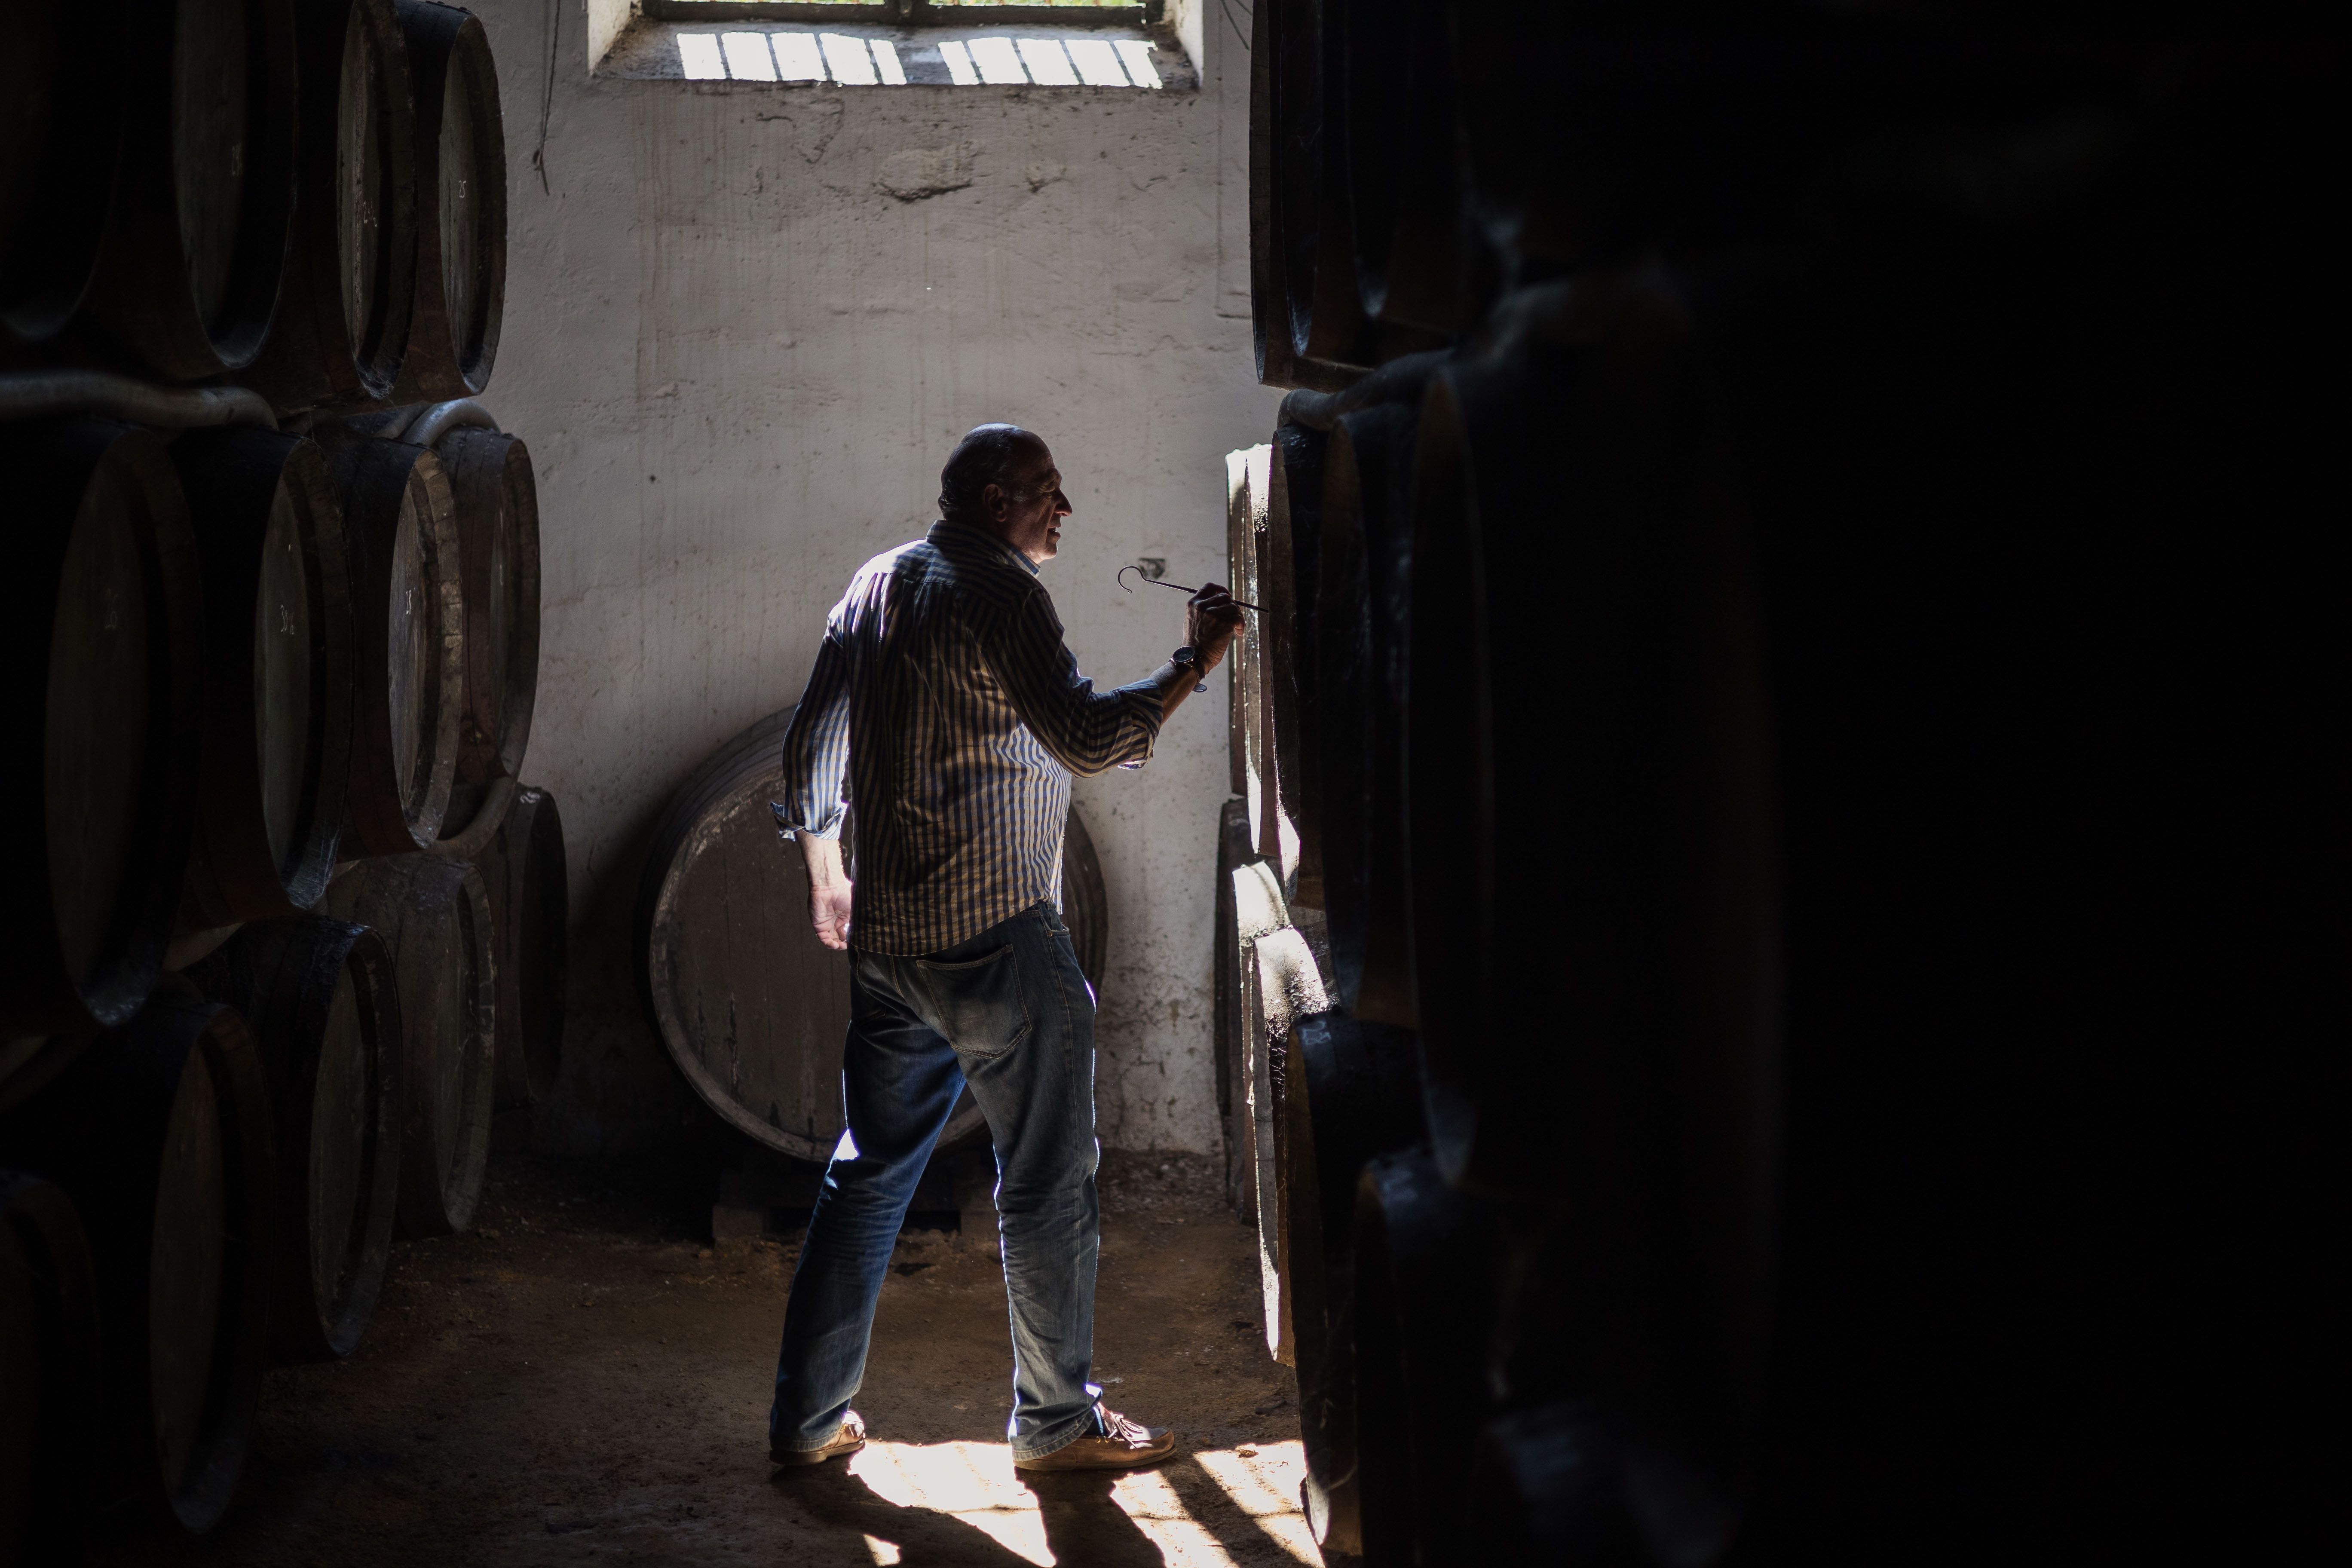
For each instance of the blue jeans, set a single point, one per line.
(1010, 1012)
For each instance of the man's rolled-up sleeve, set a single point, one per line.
(1087, 732)
(817, 750)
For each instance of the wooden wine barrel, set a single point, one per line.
(753, 1008)
(1289, 574)
(50, 1379)
(408, 605)
(351, 284)
(1276, 162)
(1427, 1257)
(1571, 534)
(1359, 656)
(1315, 226)
(325, 1012)
(195, 250)
(434, 916)
(515, 840)
(1416, 256)
(1353, 1092)
(277, 674)
(60, 139)
(1614, 863)
(461, 202)
(496, 500)
(104, 639)
(160, 1135)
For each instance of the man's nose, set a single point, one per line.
(1061, 504)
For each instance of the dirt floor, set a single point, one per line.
(582, 1379)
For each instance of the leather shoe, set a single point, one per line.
(1122, 1445)
(847, 1440)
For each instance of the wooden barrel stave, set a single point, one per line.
(515, 840)
(408, 608)
(434, 916)
(49, 1352)
(461, 204)
(161, 1136)
(105, 638)
(1353, 1094)
(1361, 658)
(61, 126)
(496, 500)
(279, 699)
(536, 915)
(325, 1012)
(197, 247)
(1289, 574)
(342, 330)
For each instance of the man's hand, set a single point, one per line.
(828, 890)
(1212, 621)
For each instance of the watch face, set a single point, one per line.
(1182, 656)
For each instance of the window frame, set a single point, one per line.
(907, 14)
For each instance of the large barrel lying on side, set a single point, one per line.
(461, 202)
(1352, 1092)
(434, 916)
(60, 135)
(751, 1005)
(342, 329)
(195, 250)
(278, 653)
(408, 610)
(161, 1137)
(103, 642)
(48, 1371)
(322, 1004)
(513, 836)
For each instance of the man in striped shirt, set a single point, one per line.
(941, 723)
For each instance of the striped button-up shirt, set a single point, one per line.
(945, 717)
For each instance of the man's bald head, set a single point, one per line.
(1005, 456)
(1001, 479)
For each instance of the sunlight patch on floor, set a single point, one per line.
(974, 1483)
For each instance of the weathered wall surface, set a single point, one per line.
(739, 359)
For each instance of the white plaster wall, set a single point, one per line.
(739, 363)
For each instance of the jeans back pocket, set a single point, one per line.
(977, 1003)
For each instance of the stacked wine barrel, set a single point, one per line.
(1722, 693)
(286, 928)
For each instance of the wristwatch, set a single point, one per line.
(1186, 658)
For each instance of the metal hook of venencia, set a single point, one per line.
(1158, 584)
